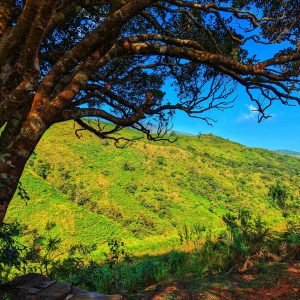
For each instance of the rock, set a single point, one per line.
(57, 291)
(33, 280)
(39, 287)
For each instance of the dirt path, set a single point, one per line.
(276, 281)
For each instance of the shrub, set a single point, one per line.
(140, 225)
(128, 167)
(279, 194)
(161, 161)
(32, 159)
(22, 193)
(37, 253)
(67, 188)
(112, 211)
(11, 251)
(247, 238)
(50, 225)
(117, 253)
(42, 169)
(80, 197)
(130, 188)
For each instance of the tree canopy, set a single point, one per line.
(109, 60)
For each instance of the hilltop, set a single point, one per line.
(87, 190)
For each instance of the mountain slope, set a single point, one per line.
(288, 152)
(88, 191)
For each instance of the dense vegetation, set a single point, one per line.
(80, 199)
(110, 60)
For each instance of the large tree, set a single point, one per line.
(108, 60)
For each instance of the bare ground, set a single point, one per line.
(264, 282)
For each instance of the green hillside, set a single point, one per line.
(89, 191)
(288, 152)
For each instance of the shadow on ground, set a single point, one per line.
(268, 281)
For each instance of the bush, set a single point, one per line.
(131, 188)
(11, 251)
(111, 211)
(140, 225)
(37, 254)
(80, 197)
(279, 194)
(42, 169)
(108, 277)
(128, 167)
(248, 237)
(67, 188)
(161, 161)
(50, 225)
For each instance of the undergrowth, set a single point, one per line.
(247, 241)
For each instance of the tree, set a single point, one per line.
(77, 59)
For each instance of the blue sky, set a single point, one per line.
(239, 123)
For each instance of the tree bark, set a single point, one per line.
(13, 158)
(5, 16)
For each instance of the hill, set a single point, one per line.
(87, 190)
(288, 152)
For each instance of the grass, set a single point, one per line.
(144, 194)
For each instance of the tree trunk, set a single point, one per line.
(5, 16)
(14, 156)
(10, 173)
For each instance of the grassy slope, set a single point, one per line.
(92, 191)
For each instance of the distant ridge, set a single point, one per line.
(288, 152)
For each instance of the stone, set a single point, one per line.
(57, 291)
(31, 280)
(39, 287)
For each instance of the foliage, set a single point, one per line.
(11, 250)
(178, 212)
(246, 242)
(279, 194)
(117, 253)
(108, 61)
(244, 238)
(128, 167)
(21, 192)
(170, 187)
(23, 251)
(247, 238)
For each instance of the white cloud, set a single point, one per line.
(250, 116)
